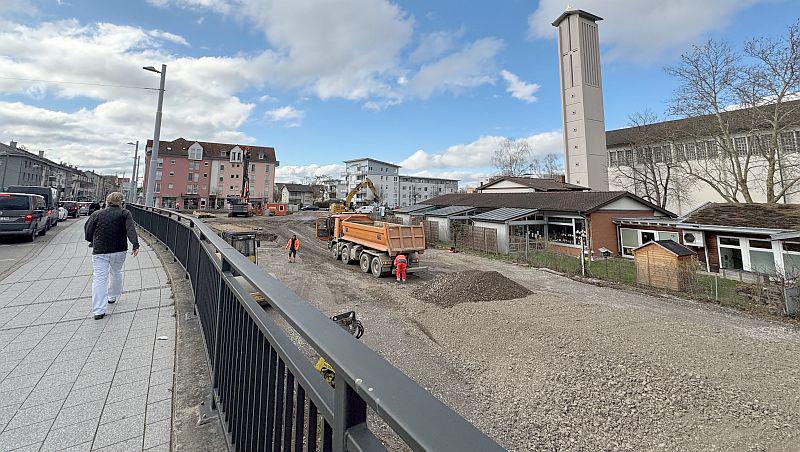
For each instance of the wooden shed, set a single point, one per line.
(665, 263)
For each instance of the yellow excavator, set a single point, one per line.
(337, 207)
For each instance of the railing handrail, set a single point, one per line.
(418, 417)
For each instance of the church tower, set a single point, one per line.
(585, 155)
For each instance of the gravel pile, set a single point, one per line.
(450, 289)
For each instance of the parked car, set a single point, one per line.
(83, 207)
(50, 196)
(72, 208)
(62, 213)
(366, 209)
(95, 206)
(23, 214)
(311, 207)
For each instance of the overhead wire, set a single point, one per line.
(76, 83)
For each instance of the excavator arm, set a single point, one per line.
(361, 185)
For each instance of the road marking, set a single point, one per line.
(3, 260)
(19, 244)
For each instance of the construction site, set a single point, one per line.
(581, 366)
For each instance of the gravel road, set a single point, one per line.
(570, 366)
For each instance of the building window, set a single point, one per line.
(730, 253)
(189, 177)
(205, 163)
(195, 153)
(222, 167)
(740, 143)
(172, 162)
(253, 167)
(221, 178)
(172, 173)
(788, 142)
(170, 186)
(158, 175)
(205, 175)
(159, 163)
(261, 156)
(711, 148)
(158, 187)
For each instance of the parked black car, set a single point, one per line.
(72, 208)
(50, 196)
(23, 214)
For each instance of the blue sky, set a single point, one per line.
(431, 85)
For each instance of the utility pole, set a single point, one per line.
(134, 174)
(151, 176)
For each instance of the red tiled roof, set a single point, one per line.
(211, 150)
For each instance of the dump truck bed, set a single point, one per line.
(388, 237)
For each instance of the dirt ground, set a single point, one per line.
(571, 366)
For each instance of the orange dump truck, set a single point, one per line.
(373, 244)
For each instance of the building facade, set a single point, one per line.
(394, 190)
(642, 158)
(202, 175)
(416, 189)
(298, 194)
(21, 167)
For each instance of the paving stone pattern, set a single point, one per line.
(69, 382)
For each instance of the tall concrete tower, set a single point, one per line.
(585, 155)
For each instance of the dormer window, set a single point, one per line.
(196, 152)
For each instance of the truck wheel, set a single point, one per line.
(377, 267)
(346, 254)
(335, 251)
(364, 262)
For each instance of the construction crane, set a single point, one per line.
(337, 207)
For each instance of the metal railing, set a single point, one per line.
(268, 394)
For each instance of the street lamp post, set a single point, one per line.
(151, 175)
(135, 175)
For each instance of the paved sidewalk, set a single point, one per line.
(69, 382)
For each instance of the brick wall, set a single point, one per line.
(603, 231)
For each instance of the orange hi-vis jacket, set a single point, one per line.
(296, 244)
(401, 259)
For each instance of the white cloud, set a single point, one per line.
(200, 99)
(469, 67)
(478, 154)
(434, 45)
(287, 115)
(518, 88)
(643, 30)
(353, 49)
(298, 173)
(177, 39)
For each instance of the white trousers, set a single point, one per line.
(106, 280)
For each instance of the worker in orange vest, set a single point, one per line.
(400, 265)
(293, 245)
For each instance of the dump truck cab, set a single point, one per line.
(244, 242)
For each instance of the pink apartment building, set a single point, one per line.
(200, 174)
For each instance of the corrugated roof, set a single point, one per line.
(412, 209)
(448, 210)
(559, 201)
(504, 214)
(747, 215)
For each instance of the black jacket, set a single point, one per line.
(107, 230)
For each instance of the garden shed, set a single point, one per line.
(666, 264)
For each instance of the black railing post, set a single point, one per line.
(225, 266)
(349, 411)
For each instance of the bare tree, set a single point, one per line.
(651, 169)
(513, 158)
(549, 165)
(767, 89)
(741, 115)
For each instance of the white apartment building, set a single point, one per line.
(394, 190)
(384, 176)
(415, 189)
